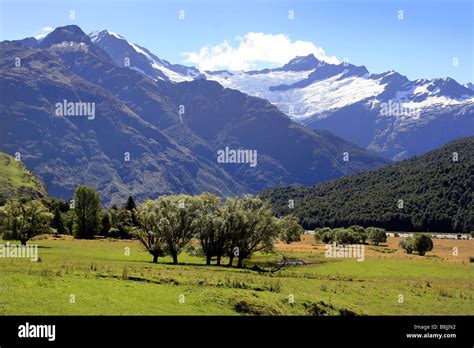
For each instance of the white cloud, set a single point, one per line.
(252, 49)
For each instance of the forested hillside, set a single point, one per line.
(432, 192)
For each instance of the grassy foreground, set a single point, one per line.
(104, 280)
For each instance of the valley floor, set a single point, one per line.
(100, 277)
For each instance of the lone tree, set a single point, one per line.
(209, 227)
(422, 243)
(22, 221)
(376, 235)
(86, 208)
(290, 229)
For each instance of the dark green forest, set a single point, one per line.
(432, 192)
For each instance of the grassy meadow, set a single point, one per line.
(100, 277)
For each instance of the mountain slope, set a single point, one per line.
(437, 194)
(68, 151)
(17, 181)
(170, 152)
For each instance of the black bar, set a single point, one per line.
(241, 331)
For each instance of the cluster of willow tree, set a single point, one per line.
(236, 228)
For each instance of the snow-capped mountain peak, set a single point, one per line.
(128, 54)
(100, 34)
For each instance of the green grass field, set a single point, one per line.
(105, 281)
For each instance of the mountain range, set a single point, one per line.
(385, 112)
(154, 128)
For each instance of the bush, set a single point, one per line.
(407, 245)
(317, 234)
(422, 243)
(117, 233)
(360, 232)
(376, 235)
(328, 236)
(291, 230)
(345, 236)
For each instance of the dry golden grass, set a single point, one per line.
(443, 249)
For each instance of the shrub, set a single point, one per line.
(345, 236)
(422, 243)
(376, 235)
(317, 234)
(407, 245)
(328, 236)
(118, 233)
(291, 230)
(360, 232)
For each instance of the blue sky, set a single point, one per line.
(421, 45)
